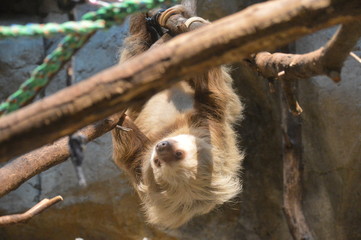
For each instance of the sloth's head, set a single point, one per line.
(185, 176)
(180, 160)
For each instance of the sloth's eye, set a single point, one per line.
(178, 154)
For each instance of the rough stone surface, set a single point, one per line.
(18, 57)
(108, 207)
(331, 139)
(101, 51)
(20, 6)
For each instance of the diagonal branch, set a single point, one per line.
(292, 176)
(37, 209)
(260, 27)
(48, 156)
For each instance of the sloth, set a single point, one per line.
(181, 152)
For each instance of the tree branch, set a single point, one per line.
(292, 175)
(37, 209)
(259, 27)
(16, 172)
(327, 60)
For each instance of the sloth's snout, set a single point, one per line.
(165, 151)
(163, 146)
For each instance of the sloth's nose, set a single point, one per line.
(163, 145)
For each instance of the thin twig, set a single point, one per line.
(287, 88)
(357, 58)
(37, 209)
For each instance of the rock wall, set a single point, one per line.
(331, 138)
(109, 209)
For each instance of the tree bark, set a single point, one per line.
(327, 60)
(37, 209)
(257, 28)
(292, 175)
(16, 172)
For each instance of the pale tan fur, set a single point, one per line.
(198, 115)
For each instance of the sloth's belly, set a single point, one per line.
(164, 107)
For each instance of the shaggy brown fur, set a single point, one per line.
(195, 118)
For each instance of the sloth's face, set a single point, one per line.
(184, 176)
(178, 157)
(174, 150)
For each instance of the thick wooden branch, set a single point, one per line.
(339, 47)
(259, 27)
(327, 60)
(16, 172)
(26, 216)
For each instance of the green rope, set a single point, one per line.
(51, 29)
(40, 77)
